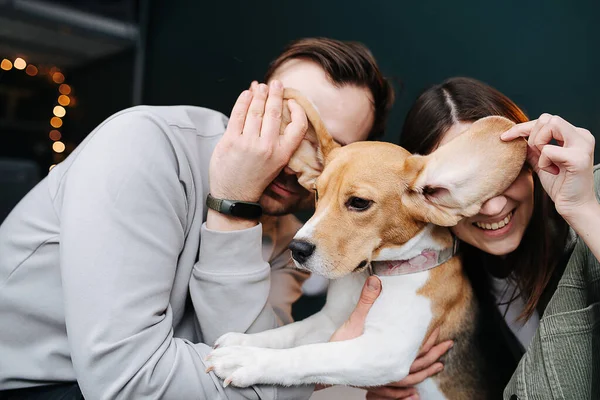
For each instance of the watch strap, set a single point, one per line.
(214, 203)
(236, 208)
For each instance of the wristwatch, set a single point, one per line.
(235, 208)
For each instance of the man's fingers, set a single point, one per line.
(295, 131)
(272, 120)
(255, 112)
(432, 356)
(238, 114)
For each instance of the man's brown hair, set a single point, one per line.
(346, 63)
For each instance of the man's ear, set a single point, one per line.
(311, 156)
(456, 179)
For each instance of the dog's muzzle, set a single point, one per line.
(301, 250)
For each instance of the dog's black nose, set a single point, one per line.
(301, 250)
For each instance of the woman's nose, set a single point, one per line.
(493, 206)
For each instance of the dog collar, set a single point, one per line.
(427, 260)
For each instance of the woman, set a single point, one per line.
(522, 242)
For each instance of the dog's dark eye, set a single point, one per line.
(358, 204)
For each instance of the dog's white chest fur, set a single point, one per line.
(300, 353)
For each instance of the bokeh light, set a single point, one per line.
(56, 122)
(58, 146)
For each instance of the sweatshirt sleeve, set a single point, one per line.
(230, 284)
(122, 219)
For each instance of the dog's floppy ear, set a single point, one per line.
(308, 161)
(456, 179)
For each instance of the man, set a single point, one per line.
(116, 278)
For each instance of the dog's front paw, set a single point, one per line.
(239, 366)
(233, 339)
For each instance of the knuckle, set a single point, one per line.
(587, 135)
(255, 113)
(555, 121)
(302, 126)
(243, 146)
(274, 113)
(545, 117)
(584, 160)
(226, 144)
(239, 116)
(556, 118)
(265, 150)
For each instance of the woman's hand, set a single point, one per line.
(355, 324)
(565, 171)
(564, 168)
(425, 365)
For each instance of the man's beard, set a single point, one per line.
(297, 199)
(275, 205)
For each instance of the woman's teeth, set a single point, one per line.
(496, 225)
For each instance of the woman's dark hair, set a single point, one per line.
(533, 263)
(346, 63)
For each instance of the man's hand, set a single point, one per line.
(252, 152)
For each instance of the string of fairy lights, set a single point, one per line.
(64, 99)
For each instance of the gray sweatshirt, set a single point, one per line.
(108, 275)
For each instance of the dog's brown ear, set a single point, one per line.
(308, 161)
(456, 179)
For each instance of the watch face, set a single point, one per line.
(244, 210)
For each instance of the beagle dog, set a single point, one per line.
(381, 210)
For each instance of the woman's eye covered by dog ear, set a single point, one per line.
(358, 204)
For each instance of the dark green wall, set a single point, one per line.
(102, 88)
(545, 55)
